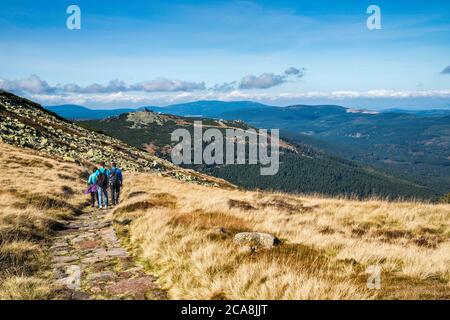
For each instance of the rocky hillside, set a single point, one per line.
(26, 124)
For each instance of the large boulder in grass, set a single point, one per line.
(256, 239)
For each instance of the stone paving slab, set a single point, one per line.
(90, 263)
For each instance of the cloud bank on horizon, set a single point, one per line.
(35, 85)
(162, 91)
(276, 52)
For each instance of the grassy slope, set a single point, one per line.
(35, 192)
(327, 243)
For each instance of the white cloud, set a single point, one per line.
(32, 84)
(446, 70)
(165, 85)
(333, 95)
(224, 87)
(91, 99)
(292, 71)
(162, 91)
(35, 85)
(269, 80)
(264, 81)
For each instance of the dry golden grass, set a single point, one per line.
(327, 243)
(35, 192)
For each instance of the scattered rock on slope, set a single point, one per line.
(144, 118)
(256, 239)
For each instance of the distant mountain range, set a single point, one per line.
(432, 112)
(209, 109)
(218, 109)
(75, 112)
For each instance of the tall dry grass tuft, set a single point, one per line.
(25, 288)
(34, 198)
(327, 244)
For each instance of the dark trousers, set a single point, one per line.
(94, 198)
(115, 193)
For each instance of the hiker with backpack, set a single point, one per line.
(101, 180)
(92, 188)
(115, 180)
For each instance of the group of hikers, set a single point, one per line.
(103, 180)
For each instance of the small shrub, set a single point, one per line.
(446, 198)
(22, 257)
(244, 205)
(136, 194)
(66, 177)
(67, 191)
(285, 206)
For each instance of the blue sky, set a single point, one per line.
(163, 52)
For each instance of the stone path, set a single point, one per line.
(90, 263)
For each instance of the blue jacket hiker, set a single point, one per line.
(92, 189)
(101, 180)
(115, 180)
(91, 179)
